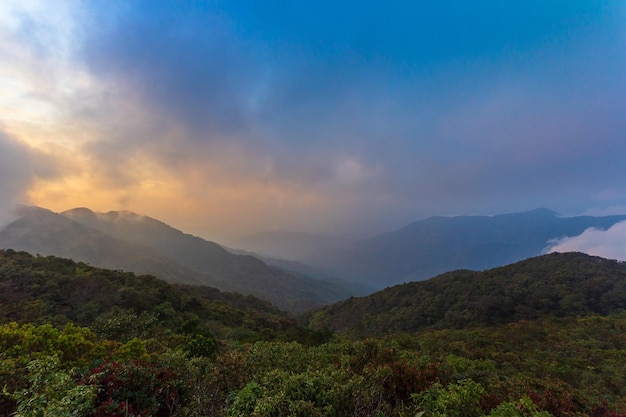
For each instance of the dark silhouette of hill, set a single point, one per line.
(128, 241)
(553, 285)
(436, 245)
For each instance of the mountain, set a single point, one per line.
(125, 240)
(435, 245)
(41, 231)
(553, 285)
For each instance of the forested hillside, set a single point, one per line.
(554, 285)
(58, 291)
(82, 341)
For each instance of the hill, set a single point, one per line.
(436, 245)
(49, 289)
(128, 241)
(554, 285)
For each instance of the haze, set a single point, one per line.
(227, 118)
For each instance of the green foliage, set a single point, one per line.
(134, 349)
(121, 305)
(76, 347)
(245, 401)
(29, 354)
(460, 399)
(53, 392)
(280, 393)
(522, 408)
(165, 361)
(124, 325)
(559, 367)
(73, 344)
(201, 346)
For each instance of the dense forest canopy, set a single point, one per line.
(83, 341)
(48, 289)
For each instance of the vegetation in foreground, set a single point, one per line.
(133, 362)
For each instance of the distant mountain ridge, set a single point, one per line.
(436, 245)
(126, 240)
(554, 285)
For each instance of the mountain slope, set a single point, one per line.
(242, 273)
(41, 231)
(439, 244)
(128, 241)
(554, 285)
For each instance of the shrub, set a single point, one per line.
(137, 388)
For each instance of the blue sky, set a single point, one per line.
(224, 118)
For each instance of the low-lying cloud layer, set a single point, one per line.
(225, 118)
(610, 243)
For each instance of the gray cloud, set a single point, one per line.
(185, 64)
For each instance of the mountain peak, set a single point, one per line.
(79, 212)
(541, 212)
(122, 215)
(24, 210)
(85, 213)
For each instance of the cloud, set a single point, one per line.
(319, 114)
(220, 98)
(610, 243)
(183, 63)
(20, 166)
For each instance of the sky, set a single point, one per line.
(225, 118)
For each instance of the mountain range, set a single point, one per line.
(128, 241)
(330, 268)
(438, 244)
